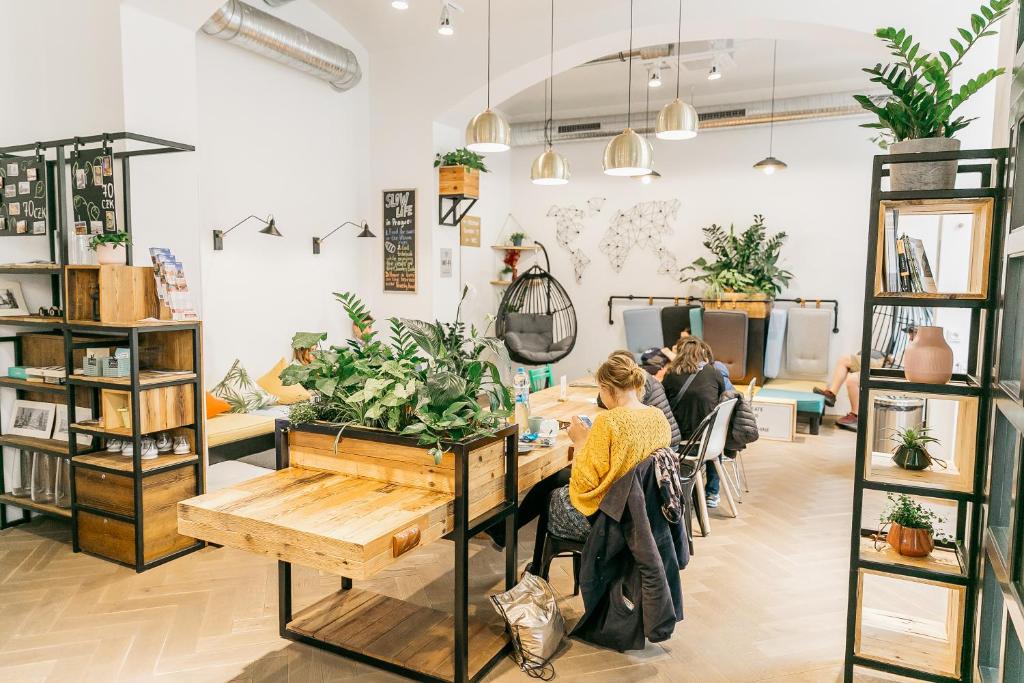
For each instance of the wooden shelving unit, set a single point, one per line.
(906, 616)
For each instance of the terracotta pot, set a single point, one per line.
(111, 254)
(910, 542)
(928, 359)
(928, 175)
(912, 458)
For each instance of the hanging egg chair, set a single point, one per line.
(536, 318)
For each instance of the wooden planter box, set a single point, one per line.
(352, 508)
(126, 294)
(736, 301)
(458, 181)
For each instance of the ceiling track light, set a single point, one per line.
(488, 131)
(445, 27)
(769, 165)
(677, 120)
(400, 4)
(714, 73)
(550, 167)
(654, 77)
(628, 154)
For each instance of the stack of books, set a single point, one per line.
(906, 264)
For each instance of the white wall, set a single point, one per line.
(820, 201)
(275, 141)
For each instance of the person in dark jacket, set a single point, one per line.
(629, 574)
(743, 426)
(693, 387)
(654, 396)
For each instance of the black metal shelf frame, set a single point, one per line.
(976, 382)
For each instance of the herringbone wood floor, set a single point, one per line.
(765, 598)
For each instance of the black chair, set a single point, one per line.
(691, 459)
(563, 547)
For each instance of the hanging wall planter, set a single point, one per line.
(458, 184)
(458, 181)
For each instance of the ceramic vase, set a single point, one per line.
(926, 175)
(110, 254)
(912, 458)
(910, 542)
(928, 359)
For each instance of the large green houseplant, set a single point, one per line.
(745, 263)
(920, 112)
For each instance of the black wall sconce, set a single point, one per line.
(271, 229)
(365, 232)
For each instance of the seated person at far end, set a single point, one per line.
(653, 393)
(656, 361)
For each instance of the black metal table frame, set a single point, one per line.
(463, 530)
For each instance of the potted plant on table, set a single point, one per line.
(919, 113)
(459, 173)
(111, 247)
(911, 526)
(743, 267)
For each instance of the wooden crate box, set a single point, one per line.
(160, 409)
(459, 181)
(126, 294)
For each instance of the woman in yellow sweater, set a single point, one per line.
(621, 437)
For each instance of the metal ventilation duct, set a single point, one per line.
(265, 34)
(726, 116)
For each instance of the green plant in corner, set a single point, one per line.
(911, 451)
(461, 157)
(747, 262)
(922, 102)
(117, 239)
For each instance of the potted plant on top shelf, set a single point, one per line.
(517, 238)
(459, 173)
(911, 526)
(111, 247)
(744, 272)
(919, 113)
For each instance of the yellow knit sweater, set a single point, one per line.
(619, 439)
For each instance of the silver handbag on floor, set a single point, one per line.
(534, 622)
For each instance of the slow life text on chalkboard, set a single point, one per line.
(399, 240)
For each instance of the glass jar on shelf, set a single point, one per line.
(44, 476)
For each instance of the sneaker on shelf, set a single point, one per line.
(181, 446)
(848, 422)
(149, 451)
(114, 445)
(127, 450)
(712, 500)
(164, 443)
(830, 397)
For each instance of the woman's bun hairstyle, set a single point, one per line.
(621, 372)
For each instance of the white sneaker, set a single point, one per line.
(181, 446)
(127, 450)
(114, 445)
(149, 450)
(163, 443)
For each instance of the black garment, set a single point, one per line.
(654, 396)
(534, 506)
(631, 563)
(699, 400)
(743, 426)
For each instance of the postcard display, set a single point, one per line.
(171, 285)
(23, 200)
(92, 191)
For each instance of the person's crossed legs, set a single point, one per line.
(847, 372)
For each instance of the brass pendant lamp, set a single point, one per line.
(769, 165)
(677, 120)
(628, 154)
(648, 178)
(488, 131)
(550, 167)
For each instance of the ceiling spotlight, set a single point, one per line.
(400, 4)
(445, 27)
(713, 73)
(654, 80)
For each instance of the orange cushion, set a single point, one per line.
(215, 406)
(271, 383)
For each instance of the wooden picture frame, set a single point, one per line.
(32, 418)
(12, 299)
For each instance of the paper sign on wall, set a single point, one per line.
(776, 418)
(446, 262)
(469, 231)
(399, 240)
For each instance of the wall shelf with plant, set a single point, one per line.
(458, 184)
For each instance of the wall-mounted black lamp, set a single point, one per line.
(271, 229)
(365, 232)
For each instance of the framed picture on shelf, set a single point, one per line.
(60, 428)
(12, 300)
(32, 418)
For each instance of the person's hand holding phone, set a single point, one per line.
(578, 431)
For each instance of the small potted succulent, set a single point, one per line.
(911, 526)
(505, 275)
(459, 173)
(911, 452)
(919, 113)
(516, 239)
(111, 247)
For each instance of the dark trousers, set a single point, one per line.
(711, 482)
(535, 506)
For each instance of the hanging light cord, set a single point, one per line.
(679, 42)
(771, 121)
(488, 54)
(549, 90)
(629, 80)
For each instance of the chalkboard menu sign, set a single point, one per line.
(23, 199)
(92, 192)
(399, 240)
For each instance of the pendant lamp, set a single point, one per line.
(550, 168)
(648, 178)
(488, 131)
(770, 164)
(628, 154)
(677, 120)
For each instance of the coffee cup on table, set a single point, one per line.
(535, 424)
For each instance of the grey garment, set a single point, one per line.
(743, 426)
(654, 396)
(564, 520)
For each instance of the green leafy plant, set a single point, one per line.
(905, 511)
(461, 157)
(747, 262)
(911, 451)
(922, 102)
(913, 437)
(118, 239)
(517, 238)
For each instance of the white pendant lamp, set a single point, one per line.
(550, 167)
(677, 120)
(769, 165)
(628, 154)
(488, 131)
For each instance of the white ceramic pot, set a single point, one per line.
(928, 359)
(111, 254)
(927, 175)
